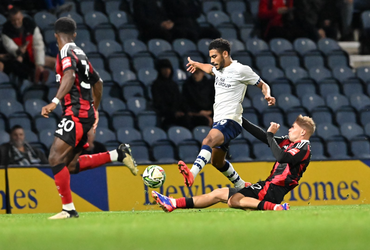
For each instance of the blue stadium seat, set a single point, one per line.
(343, 73)
(239, 150)
(280, 46)
(87, 46)
(228, 31)
(147, 75)
(128, 31)
(136, 104)
(352, 87)
(328, 87)
(3, 123)
(313, 60)
(244, 58)
(75, 16)
(311, 101)
(97, 61)
(360, 147)
(158, 46)
(30, 136)
(108, 47)
(48, 35)
(246, 32)
(111, 145)
(265, 59)
(4, 78)
(95, 18)
(317, 149)
(337, 148)
(272, 115)
(87, 5)
(121, 73)
(328, 46)
(103, 33)
(289, 60)
(164, 152)
(188, 151)
(259, 103)
(7, 92)
(132, 89)
(183, 45)
(172, 57)
(140, 61)
(367, 129)
(292, 114)
(359, 101)
(202, 46)
(83, 34)
(4, 137)
(20, 118)
(44, 19)
(253, 7)
(178, 134)
(104, 134)
(153, 134)
(111, 105)
(241, 18)
(262, 151)
(337, 60)
(335, 101)
(140, 152)
(251, 115)
(128, 135)
(46, 136)
(346, 114)
(304, 46)
(34, 106)
(271, 73)
(200, 132)
(236, 46)
(281, 87)
(235, 5)
(217, 17)
(123, 118)
(256, 46)
(210, 5)
(363, 114)
(295, 73)
(147, 118)
(117, 17)
(350, 130)
(10, 106)
(133, 46)
(287, 101)
(319, 73)
(322, 115)
(304, 88)
(363, 73)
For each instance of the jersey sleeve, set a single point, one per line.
(248, 76)
(93, 75)
(68, 60)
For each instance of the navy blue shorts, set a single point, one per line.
(230, 129)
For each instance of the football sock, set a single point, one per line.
(204, 156)
(229, 171)
(114, 155)
(183, 202)
(62, 181)
(69, 207)
(266, 205)
(86, 162)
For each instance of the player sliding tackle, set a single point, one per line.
(231, 80)
(292, 153)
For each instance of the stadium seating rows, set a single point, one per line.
(306, 78)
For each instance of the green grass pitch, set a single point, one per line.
(311, 227)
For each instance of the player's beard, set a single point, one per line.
(222, 64)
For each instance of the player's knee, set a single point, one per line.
(233, 203)
(53, 159)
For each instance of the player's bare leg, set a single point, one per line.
(240, 201)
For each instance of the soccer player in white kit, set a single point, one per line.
(231, 80)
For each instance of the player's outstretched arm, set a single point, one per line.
(193, 66)
(65, 86)
(97, 91)
(267, 93)
(255, 130)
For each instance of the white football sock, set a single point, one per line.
(233, 176)
(113, 155)
(69, 206)
(203, 157)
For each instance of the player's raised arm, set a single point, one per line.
(65, 86)
(193, 66)
(266, 92)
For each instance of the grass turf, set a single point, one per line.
(310, 227)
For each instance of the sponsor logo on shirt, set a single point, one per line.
(66, 62)
(293, 151)
(219, 81)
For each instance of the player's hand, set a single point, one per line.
(95, 125)
(191, 66)
(46, 110)
(274, 127)
(270, 100)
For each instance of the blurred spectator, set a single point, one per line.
(289, 19)
(198, 93)
(94, 146)
(167, 99)
(329, 20)
(184, 13)
(19, 152)
(57, 6)
(154, 21)
(23, 40)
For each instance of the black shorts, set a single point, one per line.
(73, 130)
(263, 191)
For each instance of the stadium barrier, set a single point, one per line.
(113, 188)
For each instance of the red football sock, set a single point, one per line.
(62, 181)
(268, 205)
(87, 162)
(181, 203)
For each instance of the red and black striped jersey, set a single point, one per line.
(79, 100)
(292, 163)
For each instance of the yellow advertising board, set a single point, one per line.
(324, 183)
(2, 191)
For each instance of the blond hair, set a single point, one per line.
(306, 123)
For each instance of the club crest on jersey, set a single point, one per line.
(57, 78)
(66, 62)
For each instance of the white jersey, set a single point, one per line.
(230, 87)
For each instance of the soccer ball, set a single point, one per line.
(154, 176)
